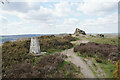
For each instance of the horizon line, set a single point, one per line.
(56, 33)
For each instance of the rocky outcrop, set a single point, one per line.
(78, 31)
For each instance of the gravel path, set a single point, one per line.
(79, 63)
(72, 57)
(79, 41)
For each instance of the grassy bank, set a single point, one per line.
(107, 67)
(111, 41)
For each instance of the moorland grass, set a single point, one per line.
(107, 67)
(111, 41)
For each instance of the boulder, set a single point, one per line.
(78, 31)
(100, 35)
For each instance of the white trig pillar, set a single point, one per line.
(34, 46)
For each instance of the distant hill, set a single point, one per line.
(16, 37)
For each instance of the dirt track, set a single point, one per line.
(79, 63)
(72, 57)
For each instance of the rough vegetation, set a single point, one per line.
(117, 70)
(13, 53)
(67, 70)
(52, 42)
(17, 62)
(52, 66)
(102, 50)
(70, 38)
(41, 68)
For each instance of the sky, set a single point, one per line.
(55, 17)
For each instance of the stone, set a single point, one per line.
(41, 53)
(34, 46)
(78, 31)
(100, 35)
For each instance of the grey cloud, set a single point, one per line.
(43, 15)
(19, 7)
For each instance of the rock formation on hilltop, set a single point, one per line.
(78, 31)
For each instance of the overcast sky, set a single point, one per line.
(29, 17)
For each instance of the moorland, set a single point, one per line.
(67, 57)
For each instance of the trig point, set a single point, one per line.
(34, 46)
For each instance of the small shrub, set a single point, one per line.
(54, 43)
(6, 42)
(70, 38)
(98, 60)
(91, 49)
(43, 67)
(117, 70)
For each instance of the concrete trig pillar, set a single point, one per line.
(34, 46)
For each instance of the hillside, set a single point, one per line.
(17, 60)
(66, 57)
